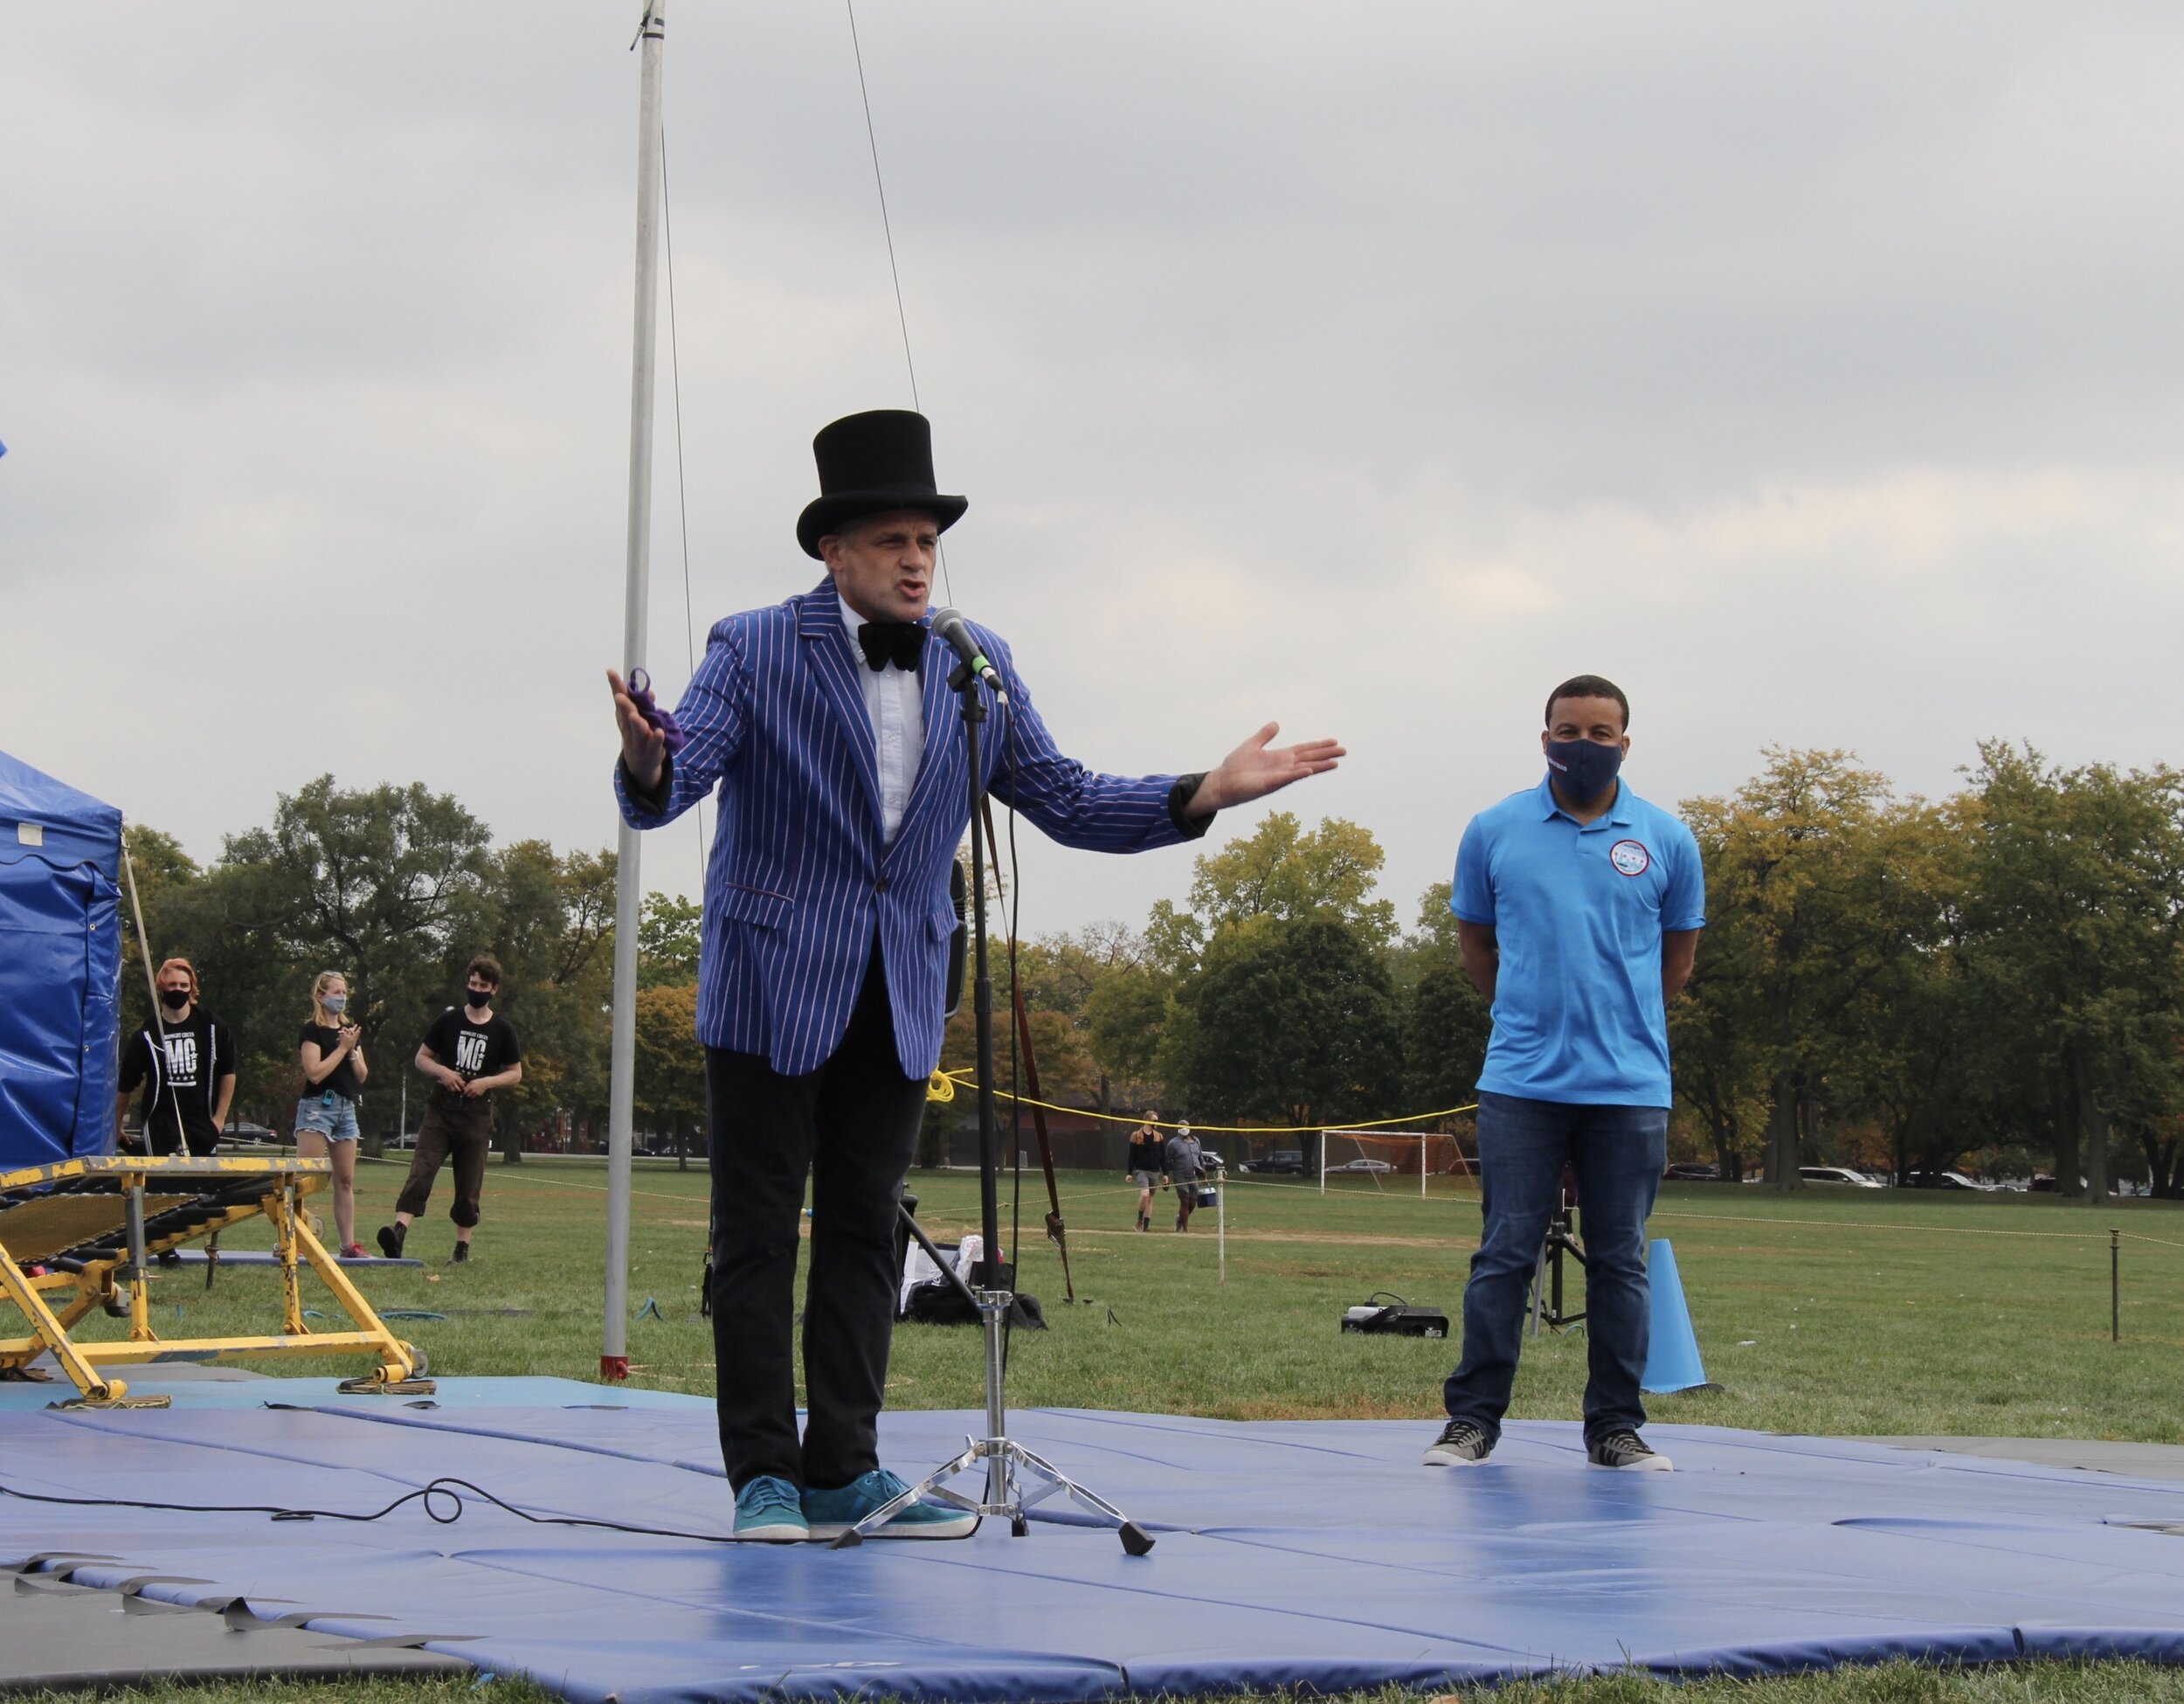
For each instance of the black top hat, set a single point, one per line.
(869, 463)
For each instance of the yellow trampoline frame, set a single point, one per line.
(91, 1226)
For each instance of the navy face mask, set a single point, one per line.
(1585, 767)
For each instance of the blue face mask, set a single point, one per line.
(1585, 768)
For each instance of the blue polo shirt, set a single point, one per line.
(1578, 912)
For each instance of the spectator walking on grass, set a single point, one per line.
(1187, 1164)
(1148, 1164)
(1578, 909)
(331, 1051)
(469, 1051)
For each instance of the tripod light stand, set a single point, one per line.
(1546, 1285)
(1008, 1463)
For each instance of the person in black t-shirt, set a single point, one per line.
(468, 1052)
(1148, 1164)
(331, 1051)
(184, 1060)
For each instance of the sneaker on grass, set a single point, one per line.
(833, 1513)
(1627, 1450)
(771, 1510)
(1461, 1445)
(462, 1252)
(390, 1240)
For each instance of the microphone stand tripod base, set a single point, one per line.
(1005, 1459)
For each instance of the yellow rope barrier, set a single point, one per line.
(964, 1079)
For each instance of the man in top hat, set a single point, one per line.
(829, 728)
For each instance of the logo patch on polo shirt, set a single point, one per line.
(1630, 857)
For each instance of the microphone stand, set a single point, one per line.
(993, 1280)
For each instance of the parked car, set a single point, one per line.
(1361, 1165)
(1941, 1180)
(1841, 1175)
(1691, 1172)
(1283, 1162)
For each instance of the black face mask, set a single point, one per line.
(176, 998)
(476, 1001)
(1586, 768)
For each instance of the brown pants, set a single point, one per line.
(462, 1131)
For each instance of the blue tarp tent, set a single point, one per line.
(60, 968)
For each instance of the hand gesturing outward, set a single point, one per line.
(1256, 768)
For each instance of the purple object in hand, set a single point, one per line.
(640, 694)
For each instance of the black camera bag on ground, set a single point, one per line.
(1394, 1318)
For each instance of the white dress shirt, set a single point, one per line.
(894, 701)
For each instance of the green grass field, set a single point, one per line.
(1834, 1310)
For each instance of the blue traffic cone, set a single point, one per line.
(1672, 1361)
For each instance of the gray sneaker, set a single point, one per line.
(1627, 1450)
(1461, 1445)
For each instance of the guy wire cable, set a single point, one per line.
(682, 487)
(886, 227)
(159, 1019)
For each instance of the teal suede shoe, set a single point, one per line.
(769, 1510)
(831, 1513)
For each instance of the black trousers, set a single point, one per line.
(852, 1126)
(457, 1129)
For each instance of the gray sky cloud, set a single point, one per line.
(1814, 374)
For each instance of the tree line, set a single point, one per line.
(1885, 980)
(397, 888)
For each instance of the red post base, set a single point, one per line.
(614, 1367)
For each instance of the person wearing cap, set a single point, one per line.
(1186, 1165)
(828, 727)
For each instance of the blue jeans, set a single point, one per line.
(1618, 1152)
(328, 1115)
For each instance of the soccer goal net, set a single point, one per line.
(1388, 1160)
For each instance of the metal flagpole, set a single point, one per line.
(629, 889)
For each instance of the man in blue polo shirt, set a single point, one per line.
(1577, 908)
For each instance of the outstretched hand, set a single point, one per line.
(644, 747)
(1255, 768)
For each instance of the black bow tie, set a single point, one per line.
(898, 642)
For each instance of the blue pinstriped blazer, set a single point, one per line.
(800, 876)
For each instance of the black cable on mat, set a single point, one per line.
(449, 1489)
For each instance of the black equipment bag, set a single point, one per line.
(941, 1303)
(1394, 1318)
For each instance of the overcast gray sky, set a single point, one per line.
(1812, 371)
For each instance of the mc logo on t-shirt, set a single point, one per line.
(181, 1059)
(470, 1052)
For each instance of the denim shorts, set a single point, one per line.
(329, 1115)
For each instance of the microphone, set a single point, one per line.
(950, 625)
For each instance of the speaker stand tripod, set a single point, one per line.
(1546, 1284)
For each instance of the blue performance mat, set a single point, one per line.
(1295, 1553)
